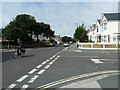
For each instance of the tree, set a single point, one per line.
(48, 31)
(66, 39)
(11, 32)
(26, 22)
(21, 27)
(81, 34)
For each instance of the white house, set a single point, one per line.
(109, 27)
(40, 37)
(91, 32)
(57, 38)
(106, 29)
(97, 31)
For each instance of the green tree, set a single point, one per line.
(26, 22)
(21, 27)
(11, 32)
(48, 31)
(81, 34)
(66, 39)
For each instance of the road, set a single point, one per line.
(61, 67)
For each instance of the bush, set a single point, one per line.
(90, 41)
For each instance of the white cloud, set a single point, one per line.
(61, 16)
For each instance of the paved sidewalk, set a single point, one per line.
(7, 50)
(92, 83)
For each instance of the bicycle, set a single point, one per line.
(22, 53)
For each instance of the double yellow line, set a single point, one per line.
(77, 77)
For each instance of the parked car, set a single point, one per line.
(48, 44)
(66, 44)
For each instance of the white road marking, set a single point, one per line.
(25, 86)
(51, 63)
(39, 66)
(41, 71)
(47, 66)
(12, 86)
(97, 61)
(77, 50)
(32, 71)
(44, 62)
(51, 58)
(22, 78)
(109, 59)
(47, 60)
(88, 56)
(58, 56)
(33, 79)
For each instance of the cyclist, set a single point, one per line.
(20, 46)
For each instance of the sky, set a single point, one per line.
(62, 16)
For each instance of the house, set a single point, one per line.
(91, 32)
(40, 37)
(57, 38)
(106, 29)
(109, 27)
(97, 31)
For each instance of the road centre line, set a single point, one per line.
(56, 58)
(51, 63)
(12, 86)
(43, 62)
(41, 71)
(51, 58)
(33, 79)
(24, 86)
(32, 71)
(48, 60)
(47, 66)
(39, 66)
(22, 78)
(77, 77)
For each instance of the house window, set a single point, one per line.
(97, 29)
(105, 26)
(35, 36)
(105, 38)
(114, 38)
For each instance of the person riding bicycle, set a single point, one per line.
(20, 46)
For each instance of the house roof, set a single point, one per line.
(112, 16)
(99, 20)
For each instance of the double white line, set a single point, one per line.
(34, 70)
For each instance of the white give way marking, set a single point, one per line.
(97, 61)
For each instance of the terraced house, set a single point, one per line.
(107, 29)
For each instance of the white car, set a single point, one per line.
(66, 44)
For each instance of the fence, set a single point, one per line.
(98, 45)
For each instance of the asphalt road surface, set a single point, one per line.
(61, 67)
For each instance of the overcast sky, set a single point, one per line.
(62, 16)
